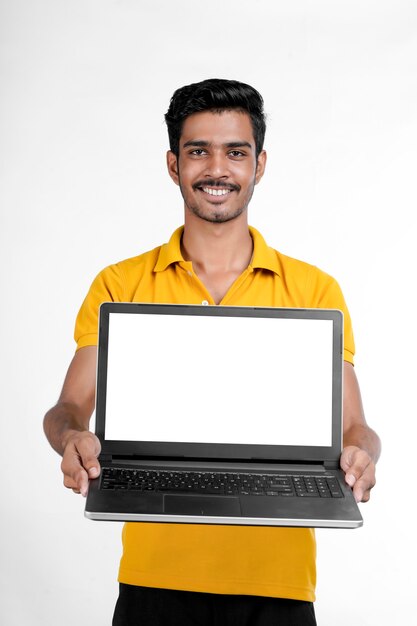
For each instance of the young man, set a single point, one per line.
(199, 574)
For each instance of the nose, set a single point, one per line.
(217, 166)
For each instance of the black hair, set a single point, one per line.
(217, 95)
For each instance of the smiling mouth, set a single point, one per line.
(216, 192)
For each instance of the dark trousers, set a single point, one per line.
(145, 606)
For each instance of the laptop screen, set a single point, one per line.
(215, 379)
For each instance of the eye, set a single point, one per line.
(236, 154)
(198, 152)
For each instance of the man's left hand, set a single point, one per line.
(359, 471)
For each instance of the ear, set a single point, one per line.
(260, 166)
(172, 164)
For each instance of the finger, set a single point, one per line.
(74, 471)
(363, 486)
(88, 450)
(80, 462)
(348, 456)
(355, 465)
(75, 476)
(91, 465)
(346, 461)
(69, 483)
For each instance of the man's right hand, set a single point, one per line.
(79, 461)
(66, 424)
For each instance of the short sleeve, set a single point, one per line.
(328, 295)
(106, 287)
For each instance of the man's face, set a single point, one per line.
(217, 167)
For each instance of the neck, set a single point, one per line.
(212, 248)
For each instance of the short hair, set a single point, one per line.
(217, 95)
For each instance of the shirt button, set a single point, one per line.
(189, 273)
(205, 303)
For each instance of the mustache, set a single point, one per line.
(215, 183)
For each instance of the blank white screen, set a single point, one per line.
(210, 379)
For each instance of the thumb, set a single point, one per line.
(88, 450)
(92, 466)
(346, 461)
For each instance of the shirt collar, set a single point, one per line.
(264, 257)
(170, 252)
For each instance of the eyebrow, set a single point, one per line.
(207, 144)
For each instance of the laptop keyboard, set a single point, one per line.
(236, 483)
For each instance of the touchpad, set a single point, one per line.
(202, 505)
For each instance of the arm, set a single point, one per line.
(66, 424)
(361, 445)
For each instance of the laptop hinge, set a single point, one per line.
(331, 465)
(303, 462)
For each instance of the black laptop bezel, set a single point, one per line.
(214, 451)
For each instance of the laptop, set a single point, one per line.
(220, 415)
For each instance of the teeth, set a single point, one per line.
(216, 192)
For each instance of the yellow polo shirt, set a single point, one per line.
(278, 562)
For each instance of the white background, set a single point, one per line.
(84, 85)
